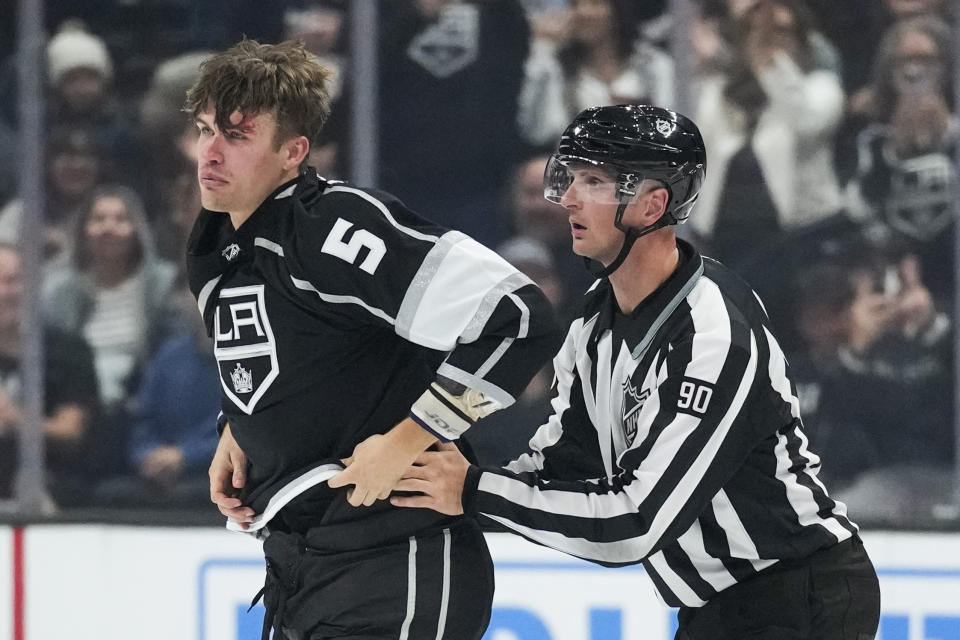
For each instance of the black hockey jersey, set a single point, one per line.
(676, 441)
(333, 308)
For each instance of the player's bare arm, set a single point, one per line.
(228, 475)
(439, 476)
(379, 462)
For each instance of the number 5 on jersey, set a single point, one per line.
(349, 250)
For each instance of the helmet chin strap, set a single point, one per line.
(630, 235)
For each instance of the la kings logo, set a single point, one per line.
(633, 402)
(245, 347)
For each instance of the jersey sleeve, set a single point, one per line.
(376, 262)
(698, 433)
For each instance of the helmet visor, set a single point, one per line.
(586, 180)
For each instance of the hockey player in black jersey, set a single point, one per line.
(676, 439)
(341, 318)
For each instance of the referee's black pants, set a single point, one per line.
(430, 586)
(832, 595)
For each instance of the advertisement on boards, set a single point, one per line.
(105, 582)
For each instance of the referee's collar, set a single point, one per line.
(650, 315)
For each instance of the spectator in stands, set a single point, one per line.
(534, 217)
(80, 74)
(876, 368)
(169, 139)
(322, 26)
(75, 166)
(906, 177)
(114, 292)
(172, 442)
(905, 9)
(548, 19)
(450, 74)
(769, 122)
(71, 403)
(601, 59)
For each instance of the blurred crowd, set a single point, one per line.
(831, 130)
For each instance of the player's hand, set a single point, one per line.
(379, 461)
(228, 475)
(439, 476)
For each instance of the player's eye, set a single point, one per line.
(235, 135)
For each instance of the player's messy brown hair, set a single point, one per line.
(255, 78)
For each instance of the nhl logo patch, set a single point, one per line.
(664, 127)
(231, 251)
(633, 402)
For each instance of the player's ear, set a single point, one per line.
(657, 201)
(294, 151)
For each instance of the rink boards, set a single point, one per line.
(113, 582)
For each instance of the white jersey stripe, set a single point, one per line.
(800, 497)
(268, 245)
(674, 582)
(494, 357)
(205, 292)
(445, 588)
(778, 374)
(413, 233)
(424, 276)
(472, 381)
(326, 297)
(475, 327)
(710, 569)
(435, 319)
(740, 542)
(411, 589)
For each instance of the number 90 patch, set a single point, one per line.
(695, 396)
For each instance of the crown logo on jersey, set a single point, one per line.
(231, 252)
(242, 380)
(664, 127)
(633, 402)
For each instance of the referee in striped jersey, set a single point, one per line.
(675, 438)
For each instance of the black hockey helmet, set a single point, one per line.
(635, 142)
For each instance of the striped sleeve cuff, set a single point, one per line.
(436, 411)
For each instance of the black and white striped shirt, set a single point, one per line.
(675, 441)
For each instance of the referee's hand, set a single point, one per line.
(228, 475)
(438, 476)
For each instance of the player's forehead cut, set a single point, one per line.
(243, 121)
